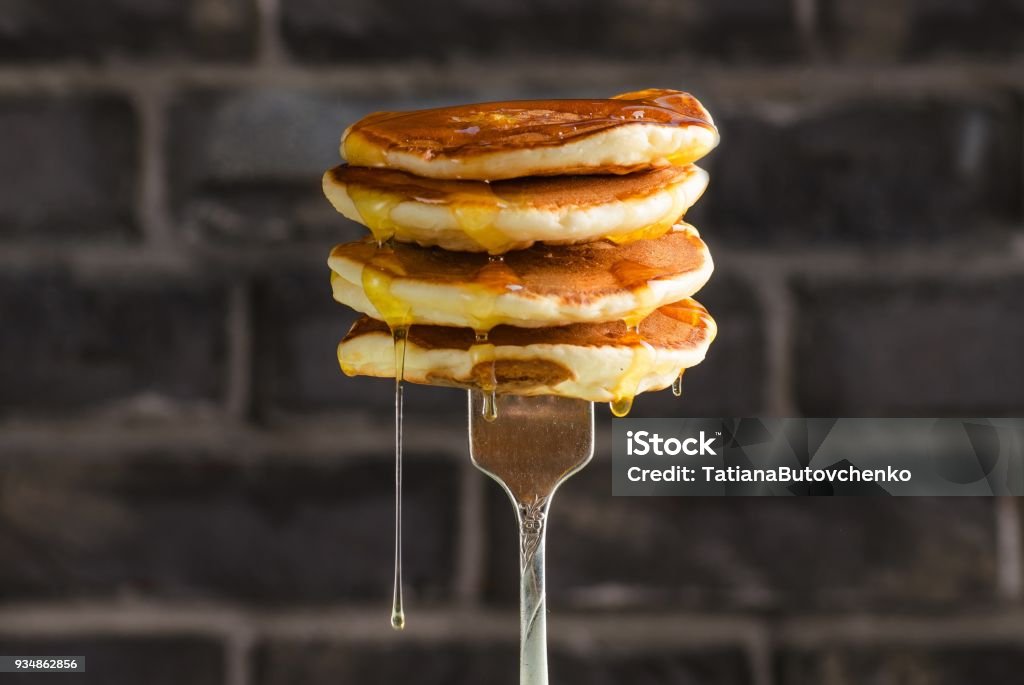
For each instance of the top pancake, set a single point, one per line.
(500, 140)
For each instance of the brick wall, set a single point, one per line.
(191, 492)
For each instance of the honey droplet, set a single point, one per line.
(677, 385)
(621, 406)
(490, 409)
(483, 353)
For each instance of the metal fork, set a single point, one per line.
(533, 446)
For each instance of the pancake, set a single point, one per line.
(474, 216)
(499, 140)
(604, 362)
(539, 286)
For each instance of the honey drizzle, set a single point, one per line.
(377, 278)
(494, 274)
(400, 336)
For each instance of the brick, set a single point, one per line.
(933, 347)
(167, 660)
(939, 665)
(73, 342)
(298, 327)
(603, 664)
(245, 165)
(69, 168)
(628, 29)
(760, 553)
(184, 525)
(54, 30)
(877, 172)
(494, 663)
(731, 380)
(920, 29)
(397, 661)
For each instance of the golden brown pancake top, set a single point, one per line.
(467, 130)
(683, 324)
(571, 272)
(541, 192)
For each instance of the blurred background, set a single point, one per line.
(190, 491)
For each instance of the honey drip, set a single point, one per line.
(400, 335)
(677, 385)
(637, 278)
(657, 229)
(490, 411)
(629, 384)
(475, 216)
(375, 207)
(377, 279)
(478, 222)
(483, 353)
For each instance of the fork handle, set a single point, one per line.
(533, 650)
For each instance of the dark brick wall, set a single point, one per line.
(69, 168)
(190, 491)
(47, 30)
(73, 341)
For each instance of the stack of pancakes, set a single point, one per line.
(527, 247)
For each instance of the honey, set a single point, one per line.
(637, 277)
(375, 208)
(639, 367)
(647, 233)
(378, 278)
(475, 215)
(657, 229)
(677, 385)
(478, 222)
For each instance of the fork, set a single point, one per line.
(533, 446)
